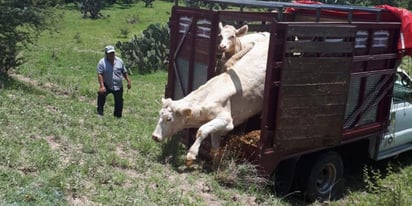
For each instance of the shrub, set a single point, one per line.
(124, 32)
(148, 3)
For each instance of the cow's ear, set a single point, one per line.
(242, 30)
(220, 26)
(186, 113)
(166, 102)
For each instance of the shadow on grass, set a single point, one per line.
(172, 151)
(356, 166)
(9, 83)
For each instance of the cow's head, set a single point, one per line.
(171, 120)
(228, 35)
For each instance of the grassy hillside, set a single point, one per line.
(54, 150)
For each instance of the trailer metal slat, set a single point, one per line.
(324, 69)
(321, 30)
(315, 90)
(319, 47)
(374, 72)
(323, 39)
(316, 110)
(307, 101)
(309, 130)
(373, 57)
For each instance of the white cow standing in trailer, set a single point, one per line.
(235, 43)
(219, 105)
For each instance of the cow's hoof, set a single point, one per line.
(189, 163)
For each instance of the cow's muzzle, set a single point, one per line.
(221, 48)
(157, 139)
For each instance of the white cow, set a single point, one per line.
(236, 41)
(220, 104)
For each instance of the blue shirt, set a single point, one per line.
(112, 74)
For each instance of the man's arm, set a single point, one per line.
(129, 83)
(102, 88)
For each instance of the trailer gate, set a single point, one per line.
(314, 85)
(193, 51)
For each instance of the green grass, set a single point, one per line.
(54, 150)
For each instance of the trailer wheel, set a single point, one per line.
(325, 180)
(283, 176)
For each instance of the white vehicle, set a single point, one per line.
(398, 137)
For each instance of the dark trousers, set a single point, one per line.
(118, 102)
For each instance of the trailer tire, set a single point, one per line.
(283, 177)
(325, 180)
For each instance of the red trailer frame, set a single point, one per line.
(346, 98)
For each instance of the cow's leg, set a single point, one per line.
(215, 152)
(215, 139)
(213, 126)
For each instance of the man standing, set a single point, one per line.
(110, 73)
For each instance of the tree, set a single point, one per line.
(21, 22)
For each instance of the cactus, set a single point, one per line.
(90, 6)
(147, 52)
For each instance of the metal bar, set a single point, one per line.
(193, 55)
(354, 134)
(280, 13)
(178, 78)
(273, 5)
(350, 16)
(378, 16)
(212, 50)
(182, 40)
(177, 52)
(367, 102)
(377, 100)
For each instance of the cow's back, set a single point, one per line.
(241, 87)
(251, 72)
(254, 37)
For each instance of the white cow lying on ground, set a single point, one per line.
(236, 41)
(219, 105)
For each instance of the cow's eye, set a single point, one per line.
(168, 119)
(231, 37)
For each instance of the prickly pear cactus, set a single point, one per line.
(147, 52)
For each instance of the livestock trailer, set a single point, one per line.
(329, 84)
